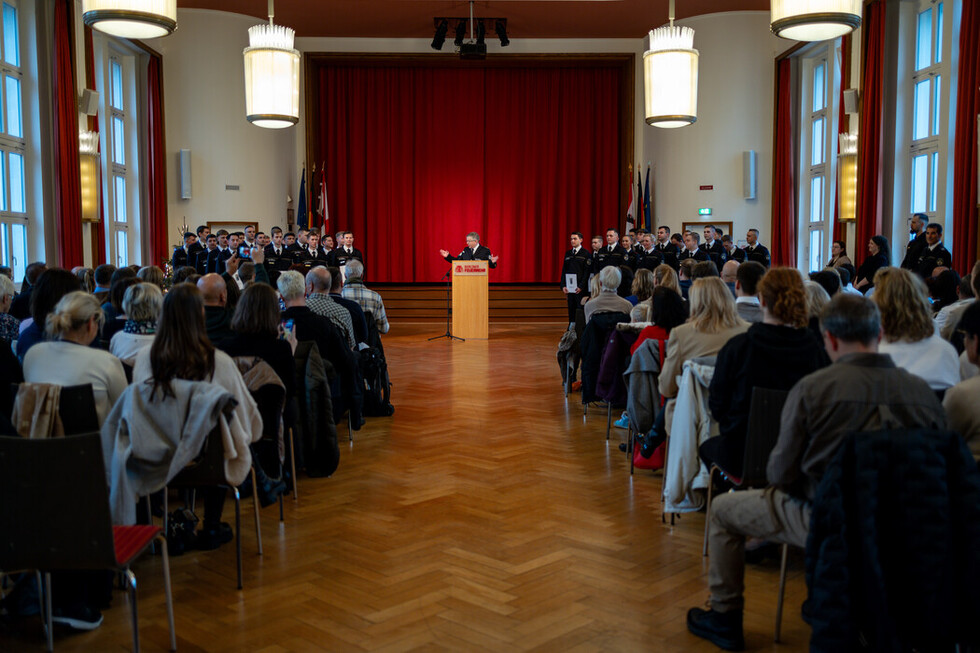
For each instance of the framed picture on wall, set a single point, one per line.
(232, 226)
(726, 228)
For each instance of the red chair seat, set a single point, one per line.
(129, 541)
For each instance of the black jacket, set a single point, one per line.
(930, 259)
(893, 554)
(759, 254)
(592, 345)
(868, 269)
(578, 264)
(603, 258)
(913, 250)
(339, 257)
(272, 350)
(482, 254)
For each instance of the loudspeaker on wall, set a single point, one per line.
(184, 173)
(88, 103)
(851, 100)
(749, 181)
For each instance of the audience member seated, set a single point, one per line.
(9, 325)
(667, 311)
(746, 291)
(943, 289)
(847, 274)
(816, 299)
(948, 319)
(352, 307)
(115, 316)
(102, 277)
(861, 390)
(217, 317)
(117, 276)
(685, 274)
(182, 350)
(962, 401)
(878, 257)
(318, 284)
(829, 280)
(773, 354)
(607, 300)
(46, 293)
(182, 274)
(704, 269)
(643, 285)
(141, 305)
(369, 300)
(67, 358)
(86, 277)
(838, 255)
(20, 307)
(909, 334)
(729, 274)
(625, 281)
(152, 274)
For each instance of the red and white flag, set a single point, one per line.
(322, 207)
(631, 210)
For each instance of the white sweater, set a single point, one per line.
(125, 346)
(67, 363)
(933, 359)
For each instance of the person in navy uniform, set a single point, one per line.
(277, 259)
(691, 248)
(917, 240)
(207, 257)
(731, 252)
(181, 255)
(649, 257)
(668, 250)
(712, 246)
(344, 252)
(756, 252)
(225, 252)
(474, 251)
(934, 254)
(578, 262)
(612, 254)
(311, 255)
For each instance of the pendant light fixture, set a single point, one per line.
(271, 76)
(131, 19)
(814, 20)
(670, 74)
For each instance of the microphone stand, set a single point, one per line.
(449, 309)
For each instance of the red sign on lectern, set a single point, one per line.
(474, 269)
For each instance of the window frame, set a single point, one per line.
(10, 220)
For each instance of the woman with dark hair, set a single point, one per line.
(838, 255)
(668, 311)
(942, 289)
(50, 287)
(879, 256)
(182, 350)
(115, 320)
(774, 354)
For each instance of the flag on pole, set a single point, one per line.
(639, 198)
(631, 209)
(301, 217)
(322, 207)
(648, 214)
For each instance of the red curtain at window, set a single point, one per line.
(965, 149)
(783, 179)
(869, 186)
(68, 185)
(417, 157)
(98, 229)
(157, 214)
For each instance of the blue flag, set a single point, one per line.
(648, 214)
(302, 220)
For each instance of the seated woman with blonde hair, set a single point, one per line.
(663, 277)
(909, 334)
(67, 358)
(141, 304)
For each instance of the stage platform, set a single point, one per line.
(509, 302)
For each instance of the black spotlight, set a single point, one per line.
(501, 29)
(440, 36)
(481, 32)
(460, 33)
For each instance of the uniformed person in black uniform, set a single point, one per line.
(756, 252)
(691, 248)
(277, 259)
(224, 252)
(207, 258)
(181, 255)
(712, 246)
(578, 262)
(312, 255)
(611, 254)
(344, 252)
(917, 241)
(933, 255)
(730, 252)
(649, 257)
(666, 248)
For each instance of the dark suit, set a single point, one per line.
(714, 252)
(759, 254)
(579, 264)
(482, 253)
(930, 259)
(179, 258)
(649, 260)
(203, 260)
(669, 253)
(735, 255)
(303, 257)
(220, 260)
(604, 257)
(339, 257)
(913, 250)
(275, 264)
(697, 255)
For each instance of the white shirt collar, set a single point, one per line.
(747, 300)
(576, 249)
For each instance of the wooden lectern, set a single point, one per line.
(471, 295)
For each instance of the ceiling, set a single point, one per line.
(414, 18)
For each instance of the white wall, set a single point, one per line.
(204, 95)
(735, 113)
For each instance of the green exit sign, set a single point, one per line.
(704, 211)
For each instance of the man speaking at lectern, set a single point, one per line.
(474, 251)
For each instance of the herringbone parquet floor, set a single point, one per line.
(486, 515)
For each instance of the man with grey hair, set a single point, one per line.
(369, 300)
(474, 251)
(607, 301)
(307, 325)
(861, 391)
(318, 282)
(217, 317)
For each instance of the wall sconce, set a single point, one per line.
(89, 167)
(847, 164)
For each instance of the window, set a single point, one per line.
(929, 96)
(13, 146)
(118, 130)
(818, 152)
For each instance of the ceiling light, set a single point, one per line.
(670, 73)
(440, 36)
(814, 20)
(271, 76)
(500, 27)
(131, 19)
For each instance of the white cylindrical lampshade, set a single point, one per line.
(131, 19)
(670, 74)
(271, 77)
(814, 20)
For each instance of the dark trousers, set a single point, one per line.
(726, 451)
(574, 303)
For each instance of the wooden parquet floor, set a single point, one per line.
(486, 515)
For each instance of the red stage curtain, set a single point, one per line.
(783, 179)
(869, 186)
(157, 213)
(98, 229)
(417, 157)
(68, 185)
(965, 156)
